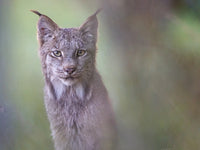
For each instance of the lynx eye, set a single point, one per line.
(57, 53)
(80, 52)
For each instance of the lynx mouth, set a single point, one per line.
(69, 77)
(69, 80)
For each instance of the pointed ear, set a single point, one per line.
(89, 28)
(46, 28)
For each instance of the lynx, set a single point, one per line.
(76, 100)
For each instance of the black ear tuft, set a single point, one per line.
(46, 28)
(36, 12)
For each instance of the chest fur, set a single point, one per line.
(65, 106)
(71, 118)
(72, 126)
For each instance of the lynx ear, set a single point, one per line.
(46, 28)
(89, 27)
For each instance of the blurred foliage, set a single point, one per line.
(149, 58)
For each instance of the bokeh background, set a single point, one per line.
(148, 56)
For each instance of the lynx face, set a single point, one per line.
(68, 54)
(70, 59)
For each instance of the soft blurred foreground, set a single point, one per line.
(148, 56)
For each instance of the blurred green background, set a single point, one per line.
(148, 56)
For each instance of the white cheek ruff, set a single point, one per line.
(73, 87)
(59, 88)
(80, 91)
(77, 88)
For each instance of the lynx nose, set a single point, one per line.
(70, 69)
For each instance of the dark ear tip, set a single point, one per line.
(36, 12)
(98, 11)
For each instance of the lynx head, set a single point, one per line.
(67, 54)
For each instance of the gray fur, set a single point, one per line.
(78, 108)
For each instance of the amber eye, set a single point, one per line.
(80, 52)
(57, 53)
